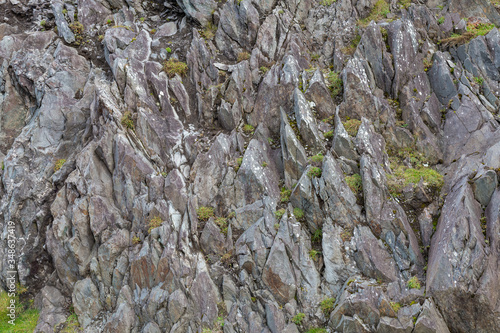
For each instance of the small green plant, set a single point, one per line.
(253, 299)
(209, 31)
(478, 80)
(403, 176)
(318, 158)
(276, 226)
(153, 31)
(142, 19)
(395, 306)
(440, 20)
(173, 66)
(317, 330)
(298, 318)
(168, 49)
(327, 305)
(279, 213)
(404, 4)
(155, 222)
(42, 23)
(65, 11)
(204, 213)
(248, 129)
(57, 166)
(298, 213)
(285, 195)
(317, 236)
(264, 164)
(270, 141)
(328, 135)
(222, 223)
(127, 120)
(315, 56)
(414, 283)
(473, 30)
(71, 325)
(263, 69)
(239, 160)
(243, 56)
(136, 240)
(76, 27)
(226, 258)
(346, 235)
(313, 254)
(314, 172)
(327, 2)
(379, 11)
(355, 183)
(164, 174)
(133, 40)
(352, 126)
(335, 84)
(3, 165)
(110, 21)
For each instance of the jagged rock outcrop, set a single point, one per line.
(252, 166)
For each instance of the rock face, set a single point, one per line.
(251, 165)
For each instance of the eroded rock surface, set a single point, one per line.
(252, 166)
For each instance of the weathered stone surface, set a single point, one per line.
(484, 186)
(278, 274)
(459, 235)
(86, 301)
(318, 93)
(294, 155)
(430, 320)
(342, 143)
(106, 158)
(371, 256)
(441, 80)
(198, 10)
(177, 304)
(51, 303)
(258, 174)
(306, 123)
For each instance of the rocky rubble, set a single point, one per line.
(252, 165)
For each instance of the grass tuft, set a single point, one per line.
(209, 31)
(352, 126)
(335, 83)
(298, 318)
(155, 222)
(379, 11)
(414, 283)
(298, 213)
(314, 172)
(173, 66)
(243, 56)
(355, 183)
(58, 165)
(205, 213)
(327, 305)
(127, 120)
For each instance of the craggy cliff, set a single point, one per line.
(252, 165)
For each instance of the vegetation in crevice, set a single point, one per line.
(173, 66)
(352, 126)
(379, 11)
